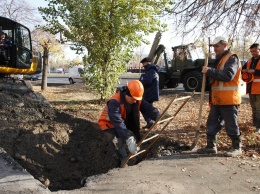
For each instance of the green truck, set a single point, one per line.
(185, 66)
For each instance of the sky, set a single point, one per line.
(68, 53)
(167, 38)
(37, 3)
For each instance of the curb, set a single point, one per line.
(15, 179)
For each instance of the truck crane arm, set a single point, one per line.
(157, 50)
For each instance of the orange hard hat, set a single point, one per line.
(136, 89)
(247, 77)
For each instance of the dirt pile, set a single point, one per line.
(56, 148)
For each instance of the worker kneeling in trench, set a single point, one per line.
(122, 115)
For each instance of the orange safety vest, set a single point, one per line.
(226, 93)
(255, 87)
(104, 121)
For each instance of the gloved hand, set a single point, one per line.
(131, 143)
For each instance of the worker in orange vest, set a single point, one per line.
(121, 117)
(225, 98)
(251, 75)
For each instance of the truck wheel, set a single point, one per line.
(161, 81)
(192, 81)
(71, 81)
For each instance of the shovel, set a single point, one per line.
(197, 136)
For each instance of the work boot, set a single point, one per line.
(211, 147)
(148, 125)
(235, 150)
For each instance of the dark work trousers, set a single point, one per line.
(221, 115)
(146, 118)
(255, 104)
(119, 144)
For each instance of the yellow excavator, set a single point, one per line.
(16, 53)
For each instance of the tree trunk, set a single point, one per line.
(45, 69)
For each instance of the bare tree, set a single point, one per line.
(48, 43)
(20, 11)
(236, 18)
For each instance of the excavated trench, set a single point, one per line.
(59, 149)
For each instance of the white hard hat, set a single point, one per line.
(218, 39)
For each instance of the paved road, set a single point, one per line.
(63, 79)
(58, 80)
(124, 79)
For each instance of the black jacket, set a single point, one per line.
(150, 81)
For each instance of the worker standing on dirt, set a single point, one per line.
(251, 75)
(122, 115)
(224, 99)
(150, 81)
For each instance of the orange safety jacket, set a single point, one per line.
(104, 121)
(255, 87)
(226, 93)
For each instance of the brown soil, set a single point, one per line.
(59, 143)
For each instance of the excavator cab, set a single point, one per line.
(16, 54)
